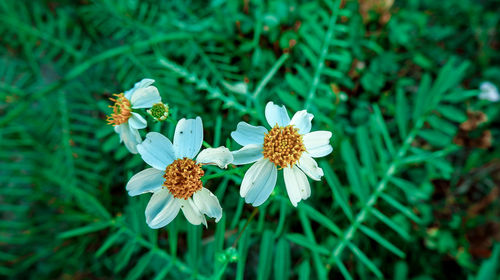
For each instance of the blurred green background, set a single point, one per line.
(410, 191)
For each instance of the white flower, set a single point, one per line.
(126, 122)
(489, 92)
(175, 179)
(290, 145)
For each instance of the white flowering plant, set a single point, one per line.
(249, 139)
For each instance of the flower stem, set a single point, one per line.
(255, 210)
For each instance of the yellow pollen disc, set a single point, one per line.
(183, 178)
(121, 110)
(283, 146)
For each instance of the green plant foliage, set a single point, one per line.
(409, 192)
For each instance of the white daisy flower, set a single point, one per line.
(289, 145)
(489, 92)
(175, 177)
(126, 122)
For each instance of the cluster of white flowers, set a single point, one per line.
(176, 167)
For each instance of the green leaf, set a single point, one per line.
(402, 113)
(401, 208)
(435, 138)
(124, 256)
(97, 226)
(364, 259)
(303, 241)
(461, 95)
(379, 120)
(110, 241)
(317, 216)
(163, 273)
(265, 255)
(448, 77)
(305, 270)
(352, 168)
(394, 226)
(422, 97)
(282, 262)
(193, 237)
(343, 269)
(442, 125)
(490, 267)
(366, 153)
(401, 270)
(141, 265)
(452, 113)
(243, 245)
(382, 241)
(338, 192)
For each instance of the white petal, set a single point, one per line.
(145, 97)
(276, 115)
(220, 156)
(191, 211)
(246, 134)
(188, 137)
(310, 167)
(208, 204)
(148, 180)
(302, 121)
(297, 185)
(137, 121)
(248, 154)
(162, 209)
(156, 150)
(259, 182)
(117, 129)
(317, 143)
(141, 84)
(130, 137)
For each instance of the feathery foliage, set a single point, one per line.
(410, 190)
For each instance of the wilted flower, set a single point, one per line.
(289, 145)
(127, 122)
(175, 179)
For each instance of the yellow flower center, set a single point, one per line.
(183, 178)
(122, 110)
(283, 146)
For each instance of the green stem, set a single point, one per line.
(269, 75)
(222, 174)
(322, 57)
(254, 212)
(364, 213)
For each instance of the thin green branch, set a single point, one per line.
(254, 212)
(269, 75)
(381, 186)
(322, 57)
